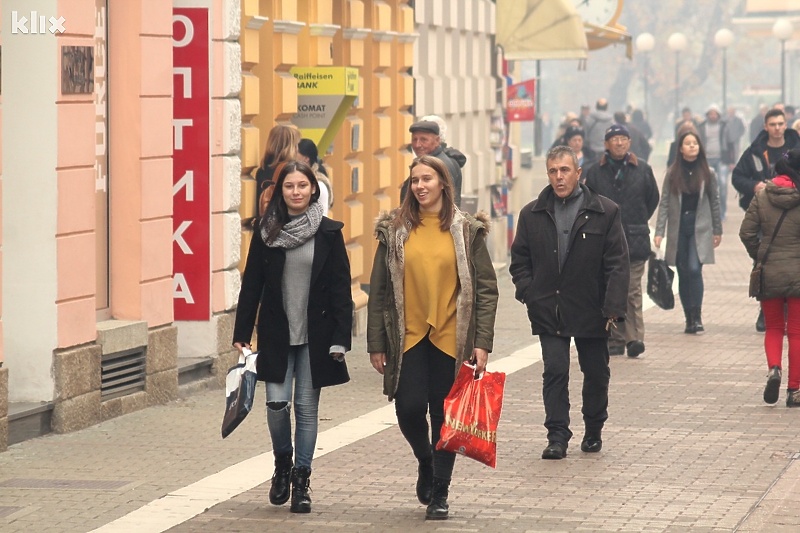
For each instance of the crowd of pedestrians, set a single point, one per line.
(577, 261)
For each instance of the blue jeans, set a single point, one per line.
(306, 409)
(722, 184)
(690, 270)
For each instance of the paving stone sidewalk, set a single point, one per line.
(689, 446)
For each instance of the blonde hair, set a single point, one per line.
(281, 145)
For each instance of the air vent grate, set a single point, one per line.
(122, 373)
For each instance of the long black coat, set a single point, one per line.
(330, 307)
(636, 194)
(575, 301)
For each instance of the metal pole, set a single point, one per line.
(724, 80)
(646, 81)
(783, 71)
(677, 86)
(537, 124)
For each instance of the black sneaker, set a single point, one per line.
(773, 385)
(792, 398)
(555, 450)
(761, 326)
(635, 348)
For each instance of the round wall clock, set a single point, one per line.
(599, 12)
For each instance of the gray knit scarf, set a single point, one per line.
(297, 231)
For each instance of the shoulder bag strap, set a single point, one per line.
(774, 234)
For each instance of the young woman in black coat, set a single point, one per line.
(298, 274)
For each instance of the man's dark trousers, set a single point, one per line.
(593, 361)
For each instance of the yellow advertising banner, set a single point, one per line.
(324, 94)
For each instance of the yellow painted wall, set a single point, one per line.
(353, 33)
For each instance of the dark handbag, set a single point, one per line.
(240, 389)
(757, 274)
(756, 280)
(659, 282)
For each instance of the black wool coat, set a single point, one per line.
(575, 301)
(330, 307)
(636, 194)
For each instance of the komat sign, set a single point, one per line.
(191, 207)
(324, 94)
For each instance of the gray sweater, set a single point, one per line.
(296, 284)
(566, 211)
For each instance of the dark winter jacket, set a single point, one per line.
(330, 307)
(781, 276)
(753, 167)
(578, 299)
(636, 193)
(476, 303)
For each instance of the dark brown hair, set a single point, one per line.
(679, 179)
(410, 209)
(789, 165)
(277, 214)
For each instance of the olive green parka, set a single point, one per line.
(476, 303)
(781, 275)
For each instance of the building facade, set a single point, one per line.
(135, 132)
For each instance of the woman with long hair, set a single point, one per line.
(689, 214)
(432, 304)
(281, 147)
(780, 288)
(297, 282)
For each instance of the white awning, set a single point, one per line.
(540, 29)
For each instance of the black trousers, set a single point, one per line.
(593, 361)
(426, 377)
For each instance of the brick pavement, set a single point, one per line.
(689, 446)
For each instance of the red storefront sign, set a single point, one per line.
(520, 101)
(191, 262)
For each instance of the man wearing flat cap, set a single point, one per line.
(628, 181)
(425, 140)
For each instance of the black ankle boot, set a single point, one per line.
(690, 326)
(698, 321)
(279, 491)
(438, 508)
(301, 501)
(425, 480)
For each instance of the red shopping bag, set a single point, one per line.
(471, 413)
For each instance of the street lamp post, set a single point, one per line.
(645, 44)
(677, 43)
(723, 39)
(783, 29)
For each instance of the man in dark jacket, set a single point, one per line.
(425, 140)
(628, 181)
(569, 264)
(757, 164)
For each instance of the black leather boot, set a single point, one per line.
(438, 508)
(425, 480)
(698, 321)
(279, 491)
(690, 327)
(301, 501)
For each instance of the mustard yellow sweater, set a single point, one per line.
(431, 286)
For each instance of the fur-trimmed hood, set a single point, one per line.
(476, 302)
